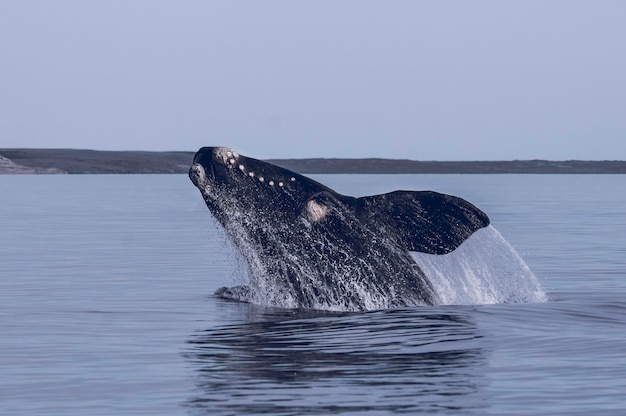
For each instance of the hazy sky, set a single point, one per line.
(428, 80)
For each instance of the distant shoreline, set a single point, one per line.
(76, 161)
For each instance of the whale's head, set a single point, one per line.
(235, 185)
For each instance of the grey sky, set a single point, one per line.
(437, 80)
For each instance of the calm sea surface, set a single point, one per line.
(106, 308)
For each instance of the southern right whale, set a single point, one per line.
(308, 246)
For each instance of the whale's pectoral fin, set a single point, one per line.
(427, 221)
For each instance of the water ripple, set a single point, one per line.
(317, 363)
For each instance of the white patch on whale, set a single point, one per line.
(316, 211)
(226, 156)
(199, 177)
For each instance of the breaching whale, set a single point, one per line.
(308, 246)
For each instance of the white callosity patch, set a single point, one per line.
(485, 269)
(226, 156)
(199, 178)
(316, 211)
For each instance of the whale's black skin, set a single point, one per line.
(322, 249)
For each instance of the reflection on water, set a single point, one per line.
(298, 362)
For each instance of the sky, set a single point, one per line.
(423, 80)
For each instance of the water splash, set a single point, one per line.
(485, 269)
(298, 272)
(295, 269)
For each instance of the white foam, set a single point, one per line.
(485, 269)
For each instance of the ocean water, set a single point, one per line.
(106, 307)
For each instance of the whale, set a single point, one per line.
(307, 246)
